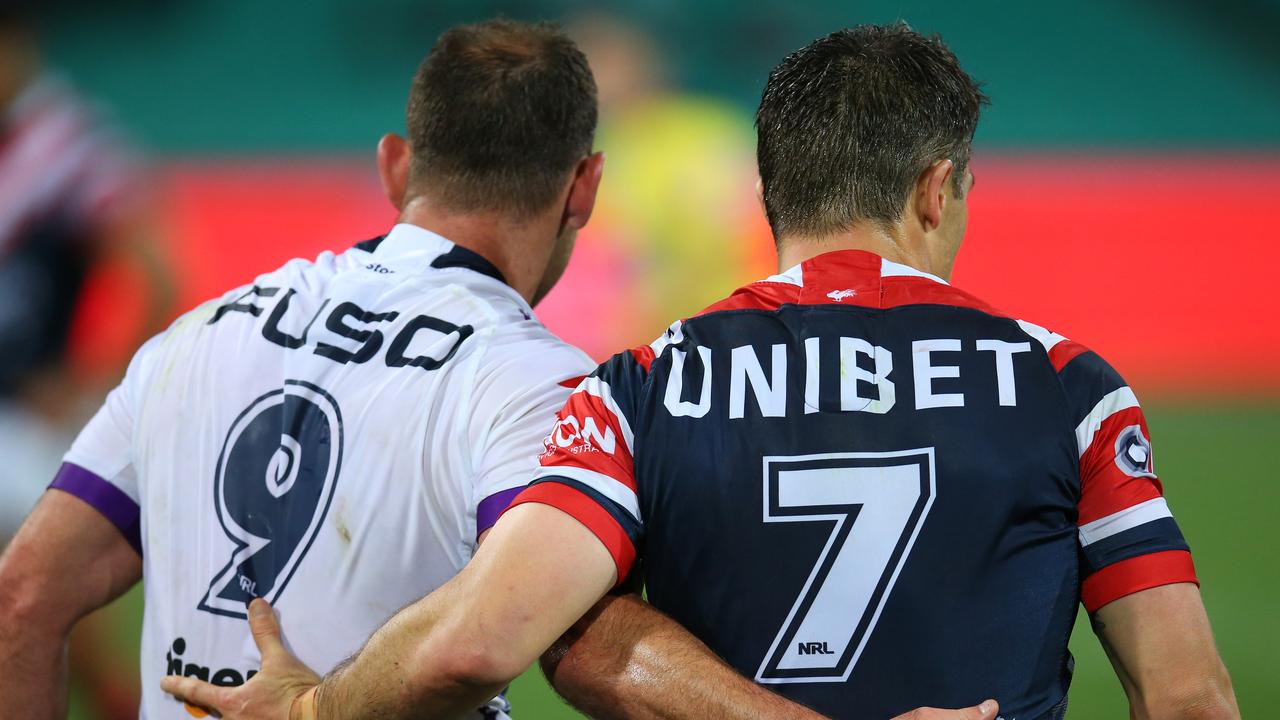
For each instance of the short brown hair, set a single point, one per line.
(499, 113)
(848, 123)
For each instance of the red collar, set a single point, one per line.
(849, 277)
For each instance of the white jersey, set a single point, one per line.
(332, 438)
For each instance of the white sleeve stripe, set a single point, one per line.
(596, 387)
(1044, 337)
(1127, 519)
(601, 483)
(1112, 403)
(673, 336)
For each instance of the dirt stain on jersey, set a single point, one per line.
(340, 521)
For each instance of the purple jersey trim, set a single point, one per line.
(490, 508)
(104, 497)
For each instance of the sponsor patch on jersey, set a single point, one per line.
(175, 664)
(580, 436)
(1133, 453)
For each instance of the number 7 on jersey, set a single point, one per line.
(877, 503)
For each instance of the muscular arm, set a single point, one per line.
(537, 572)
(66, 561)
(1162, 649)
(625, 659)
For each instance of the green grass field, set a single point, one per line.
(1218, 464)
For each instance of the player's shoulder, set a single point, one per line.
(190, 330)
(313, 275)
(297, 275)
(1102, 410)
(1093, 389)
(623, 377)
(1075, 363)
(527, 344)
(306, 276)
(513, 352)
(522, 358)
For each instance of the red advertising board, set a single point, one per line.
(1165, 265)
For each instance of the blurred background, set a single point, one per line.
(154, 153)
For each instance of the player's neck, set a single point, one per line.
(889, 243)
(519, 250)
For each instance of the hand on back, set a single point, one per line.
(985, 711)
(281, 690)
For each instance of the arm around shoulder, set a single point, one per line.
(537, 572)
(625, 659)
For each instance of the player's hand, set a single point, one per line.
(985, 711)
(283, 689)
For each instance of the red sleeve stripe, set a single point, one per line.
(1112, 403)
(603, 395)
(583, 509)
(590, 433)
(1064, 352)
(572, 382)
(621, 492)
(1105, 494)
(1106, 488)
(1060, 350)
(1136, 574)
(644, 355)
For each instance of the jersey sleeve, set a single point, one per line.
(587, 466)
(515, 402)
(99, 468)
(1128, 538)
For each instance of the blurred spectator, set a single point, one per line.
(677, 224)
(69, 204)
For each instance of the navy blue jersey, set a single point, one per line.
(869, 490)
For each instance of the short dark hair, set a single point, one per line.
(499, 113)
(847, 124)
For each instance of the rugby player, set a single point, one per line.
(851, 480)
(337, 435)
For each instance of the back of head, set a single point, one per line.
(847, 124)
(499, 114)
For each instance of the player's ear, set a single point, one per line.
(931, 194)
(393, 167)
(760, 195)
(582, 190)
